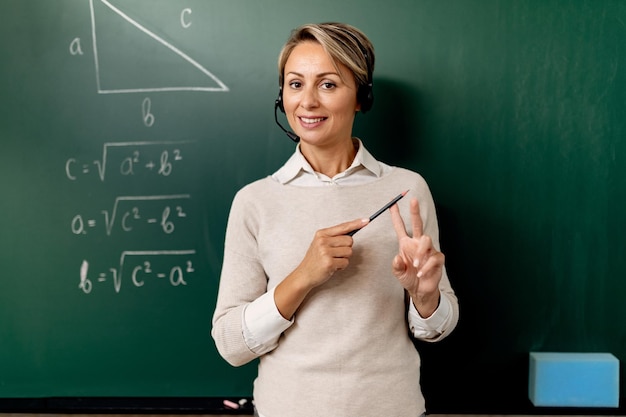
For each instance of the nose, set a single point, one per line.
(309, 98)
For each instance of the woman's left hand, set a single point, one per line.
(418, 265)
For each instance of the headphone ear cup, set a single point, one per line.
(366, 97)
(279, 100)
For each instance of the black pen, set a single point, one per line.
(381, 211)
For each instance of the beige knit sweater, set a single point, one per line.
(348, 353)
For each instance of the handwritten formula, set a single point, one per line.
(136, 214)
(142, 272)
(130, 162)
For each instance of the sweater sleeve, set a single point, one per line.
(445, 318)
(242, 281)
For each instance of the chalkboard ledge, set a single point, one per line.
(124, 405)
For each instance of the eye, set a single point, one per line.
(295, 84)
(328, 85)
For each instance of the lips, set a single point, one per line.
(311, 122)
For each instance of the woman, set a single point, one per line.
(329, 314)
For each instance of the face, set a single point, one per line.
(320, 103)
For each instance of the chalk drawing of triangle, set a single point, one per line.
(129, 58)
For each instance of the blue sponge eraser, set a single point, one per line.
(573, 379)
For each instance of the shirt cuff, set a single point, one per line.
(263, 324)
(432, 326)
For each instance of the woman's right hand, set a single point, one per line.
(329, 252)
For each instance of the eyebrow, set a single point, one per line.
(322, 75)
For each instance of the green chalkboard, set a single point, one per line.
(127, 126)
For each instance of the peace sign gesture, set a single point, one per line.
(418, 265)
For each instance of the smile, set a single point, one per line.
(315, 120)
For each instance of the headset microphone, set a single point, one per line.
(291, 135)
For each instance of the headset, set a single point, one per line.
(364, 95)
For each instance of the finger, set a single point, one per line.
(341, 252)
(345, 228)
(397, 265)
(416, 219)
(433, 264)
(422, 250)
(398, 223)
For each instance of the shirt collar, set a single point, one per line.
(298, 165)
